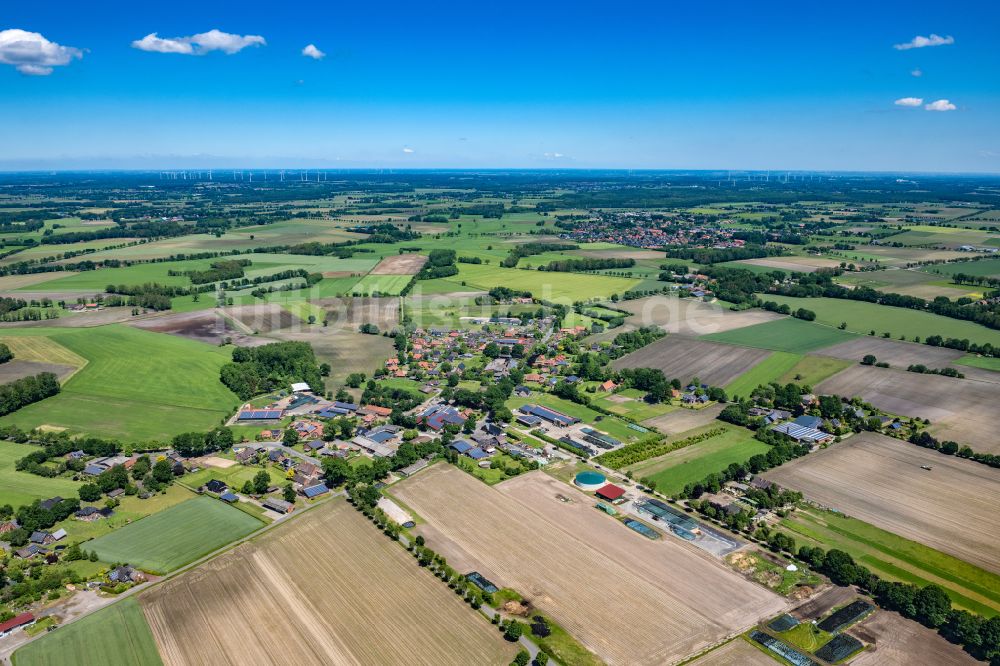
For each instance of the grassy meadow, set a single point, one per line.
(136, 385)
(784, 335)
(175, 536)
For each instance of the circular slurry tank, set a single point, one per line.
(590, 480)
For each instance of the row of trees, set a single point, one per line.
(586, 264)
(26, 390)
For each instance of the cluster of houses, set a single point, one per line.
(491, 438)
(641, 229)
(98, 466)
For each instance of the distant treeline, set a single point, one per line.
(522, 250)
(712, 255)
(586, 264)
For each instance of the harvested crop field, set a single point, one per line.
(262, 318)
(688, 316)
(349, 313)
(682, 420)
(896, 641)
(13, 370)
(684, 358)
(363, 601)
(875, 478)
(626, 598)
(894, 352)
(793, 264)
(737, 652)
(400, 264)
(962, 410)
(209, 326)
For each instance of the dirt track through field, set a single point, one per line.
(628, 599)
(878, 479)
(963, 410)
(327, 588)
(683, 358)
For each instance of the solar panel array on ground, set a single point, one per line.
(840, 648)
(784, 649)
(642, 529)
(783, 623)
(846, 616)
(260, 414)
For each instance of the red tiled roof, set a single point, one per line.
(610, 492)
(15, 622)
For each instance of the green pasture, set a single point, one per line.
(176, 536)
(984, 362)
(19, 488)
(787, 335)
(114, 636)
(765, 372)
(895, 558)
(862, 317)
(559, 287)
(630, 403)
(137, 385)
(811, 370)
(983, 267)
(673, 471)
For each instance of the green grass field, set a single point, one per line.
(678, 468)
(895, 558)
(984, 267)
(137, 385)
(765, 372)
(635, 408)
(19, 488)
(176, 536)
(787, 335)
(114, 636)
(561, 287)
(383, 284)
(863, 317)
(984, 362)
(811, 370)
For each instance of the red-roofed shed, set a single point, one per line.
(15, 622)
(610, 492)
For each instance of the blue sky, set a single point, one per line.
(735, 85)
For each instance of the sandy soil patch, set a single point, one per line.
(712, 363)
(16, 369)
(878, 479)
(688, 316)
(894, 352)
(208, 326)
(326, 588)
(11, 282)
(636, 254)
(736, 652)
(400, 264)
(216, 461)
(682, 420)
(800, 264)
(896, 641)
(963, 410)
(628, 599)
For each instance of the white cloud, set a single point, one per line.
(940, 105)
(200, 44)
(32, 54)
(553, 156)
(917, 73)
(408, 150)
(920, 42)
(311, 51)
(909, 101)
